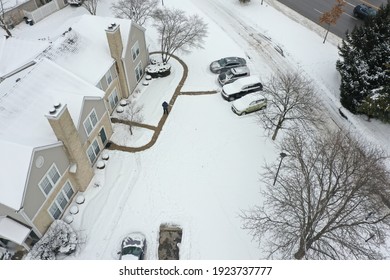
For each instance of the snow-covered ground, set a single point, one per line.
(205, 166)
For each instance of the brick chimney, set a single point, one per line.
(115, 44)
(65, 130)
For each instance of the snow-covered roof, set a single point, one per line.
(13, 230)
(24, 101)
(83, 49)
(15, 53)
(11, 4)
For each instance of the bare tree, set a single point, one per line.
(331, 17)
(291, 98)
(325, 204)
(3, 21)
(133, 112)
(178, 31)
(137, 10)
(91, 6)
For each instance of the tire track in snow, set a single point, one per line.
(118, 212)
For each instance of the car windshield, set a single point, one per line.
(371, 12)
(131, 250)
(222, 62)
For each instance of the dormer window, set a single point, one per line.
(90, 122)
(49, 180)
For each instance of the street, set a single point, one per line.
(313, 9)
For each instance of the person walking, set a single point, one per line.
(165, 106)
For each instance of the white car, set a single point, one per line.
(241, 87)
(249, 103)
(133, 247)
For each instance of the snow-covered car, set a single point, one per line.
(224, 64)
(233, 74)
(133, 247)
(75, 2)
(363, 11)
(249, 103)
(241, 87)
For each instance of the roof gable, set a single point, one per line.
(23, 125)
(83, 49)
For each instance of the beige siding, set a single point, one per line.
(103, 123)
(136, 34)
(43, 219)
(100, 110)
(34, 197)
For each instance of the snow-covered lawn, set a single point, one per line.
(206, 164)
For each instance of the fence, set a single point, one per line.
(45, 10)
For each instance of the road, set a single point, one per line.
(313, 9)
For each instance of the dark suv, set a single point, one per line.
(363, 11)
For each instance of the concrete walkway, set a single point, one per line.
(157, 129)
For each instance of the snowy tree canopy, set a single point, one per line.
(365, 67)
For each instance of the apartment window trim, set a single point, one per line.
(113, 93)
(109, 78)
(139, 71)
(58, 204)
(93, 149)
(135, 51)
(52, 183)
(88, 120)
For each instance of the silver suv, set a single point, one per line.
(232, 75)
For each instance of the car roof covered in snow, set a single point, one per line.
(237, 85)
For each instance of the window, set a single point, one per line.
(113, 99)
(49, 180)
(108, 77)
(139, 71)
(90, 122)
(55, 211)
(61, 201)
(135, 50)
(93, 151)
(103, 135)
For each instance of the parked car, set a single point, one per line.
(224, 64)
(249, 103)
(233, 74)
(241, 87)
(75, 2)
(133, 247)
(363, 11)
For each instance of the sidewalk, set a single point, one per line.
(157, 129)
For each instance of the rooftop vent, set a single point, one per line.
(57, 105)
(111, 26)
(52, 111)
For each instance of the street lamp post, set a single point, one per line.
(282, 156)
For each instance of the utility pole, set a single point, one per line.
(282, 156)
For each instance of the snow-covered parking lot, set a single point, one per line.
(206, 164)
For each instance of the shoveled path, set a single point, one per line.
(157, 129)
